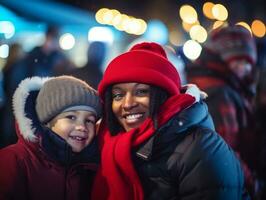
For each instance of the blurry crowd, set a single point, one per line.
(230, 69)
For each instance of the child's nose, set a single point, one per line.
(80, 126)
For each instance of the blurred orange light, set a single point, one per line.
(207, 10)
(258, 28)
(187, 26)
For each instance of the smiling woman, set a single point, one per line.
(157, 142)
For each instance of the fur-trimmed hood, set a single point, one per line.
(23, 111)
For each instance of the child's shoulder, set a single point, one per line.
(14, 152)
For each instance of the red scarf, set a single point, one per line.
(116, 178)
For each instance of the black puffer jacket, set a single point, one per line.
(186, 159)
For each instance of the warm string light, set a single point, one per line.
(121, 22)
(217, 13)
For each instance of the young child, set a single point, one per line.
(56, 153)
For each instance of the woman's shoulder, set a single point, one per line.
(204, 140)
(201, 146)
(207, 160)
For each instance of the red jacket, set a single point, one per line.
(41, 165)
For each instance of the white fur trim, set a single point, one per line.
(19, 99)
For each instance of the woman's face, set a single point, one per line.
(130, 104)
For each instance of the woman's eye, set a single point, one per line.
(117, 96)
(142, 92)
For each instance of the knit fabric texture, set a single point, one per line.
(144, 63)
(62, 93)
(232, 42)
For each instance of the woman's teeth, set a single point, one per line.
(133, 117)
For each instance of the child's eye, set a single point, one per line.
(90, 121)
(72, 117)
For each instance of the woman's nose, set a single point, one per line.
(129, 101)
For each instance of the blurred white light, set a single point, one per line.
(67, 41)
(220, 12)
(157, 32)
(192, 49)
(7, 28)
(102, 34)
(188, 14)
(198, 33)
(4, 51)
(134, 26)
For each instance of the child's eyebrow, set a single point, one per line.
(92, 115)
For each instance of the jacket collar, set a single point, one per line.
(58, 149)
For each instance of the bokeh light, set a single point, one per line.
(67, 41)
(188, 14)
(192, 49)
(258, 28)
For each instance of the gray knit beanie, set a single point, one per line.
(65, 93)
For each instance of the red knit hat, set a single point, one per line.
(143, 63)
(232, 42)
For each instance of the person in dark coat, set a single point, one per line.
(226, 71)
(156, 141)
(45, 60)
(92, 71)
(56, 154)
(11, 77)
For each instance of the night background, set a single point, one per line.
(80, 37)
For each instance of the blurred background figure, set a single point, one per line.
(48, 59)
(11, 75)
(10, 78)
(226, 71)
(2, 93)
(45, 60)
(92, 71)
(178, 62)
(260, 117)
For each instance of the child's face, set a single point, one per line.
(76, 127)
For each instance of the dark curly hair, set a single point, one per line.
(157, 98)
